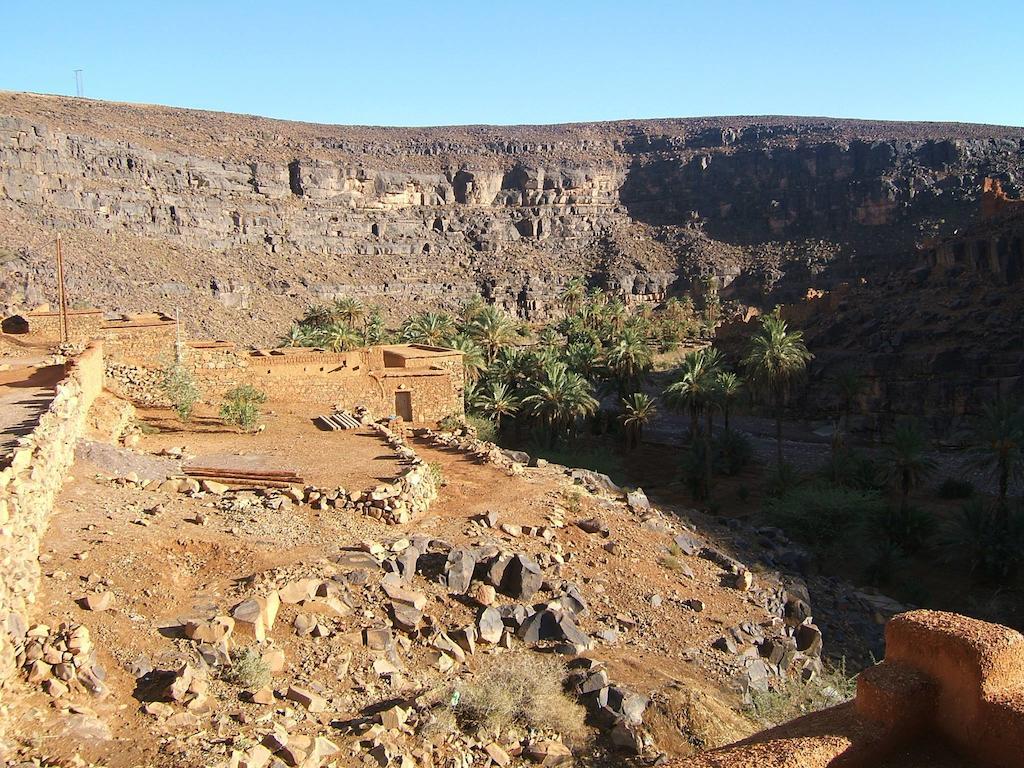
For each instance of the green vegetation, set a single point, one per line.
(179, 386)
(436, 473)
(822, 516)
(956, 488)
(241, 407)
(542, 383)
(776, 360)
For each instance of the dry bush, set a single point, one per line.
(522, 690)
(248, 670)
(794, 697)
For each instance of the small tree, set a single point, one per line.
(241, 407)
(180, 388)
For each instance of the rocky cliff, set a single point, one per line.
(243, 220)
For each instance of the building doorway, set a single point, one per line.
(403, 405)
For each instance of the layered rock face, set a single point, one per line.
(248, 219)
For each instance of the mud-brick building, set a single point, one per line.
(414, 381)
(419, 383)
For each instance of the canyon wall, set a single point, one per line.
(245, 220)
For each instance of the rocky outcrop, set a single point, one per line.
(253, 217)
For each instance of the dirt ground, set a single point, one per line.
(352, 459)
(164, 567)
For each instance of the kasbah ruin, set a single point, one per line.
(681, 442)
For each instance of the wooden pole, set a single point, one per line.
(62, 295)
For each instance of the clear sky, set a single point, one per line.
(433, 62)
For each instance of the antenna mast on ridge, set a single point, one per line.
(79, 84)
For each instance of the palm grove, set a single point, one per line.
(589, 374)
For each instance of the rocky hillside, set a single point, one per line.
(242, 220)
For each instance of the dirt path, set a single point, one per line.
(25, 393)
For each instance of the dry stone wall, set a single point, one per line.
(29, 483)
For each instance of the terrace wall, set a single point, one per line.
(32, 477)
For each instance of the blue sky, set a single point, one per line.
(397, 62)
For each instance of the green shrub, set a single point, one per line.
(885, 559)
(694, 470)
(782, 480)
(436, 473)
(733, 452)
(793, 697)
(955, 488)
(977, 537)
(853, 469)
(485, 429)
(453, 422)
(823, 516)
(909, 528)
(180, 388)
(241, 407)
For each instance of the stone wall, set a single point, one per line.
(30, 481)
(319, 379)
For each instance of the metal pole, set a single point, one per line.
(177, 340)
(62, 295)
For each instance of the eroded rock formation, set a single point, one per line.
(249, 218)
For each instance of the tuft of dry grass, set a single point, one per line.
(248, 670)
(522, 690)
(688, 719)
(794, 697)
(671, 558)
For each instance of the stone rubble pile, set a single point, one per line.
(62, 659)
(790, 643)
(465, 442)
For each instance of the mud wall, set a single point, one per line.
(30, 481)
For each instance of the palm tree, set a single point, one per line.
(850, 386)
(549, 339)
(473, 361)
(696, 389)
(694, 384)
(341, 338)
(492, 330)
(471, 308)
(347, 310)
(297, 336)
(317, 316)
(637, 411)
(573, 294)
(908, 459)
(776, 359)
(629, 359)
(430, 328)
(999, 436)
(374, 329)
(496, 402)
(727, 386)
(559, 398)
